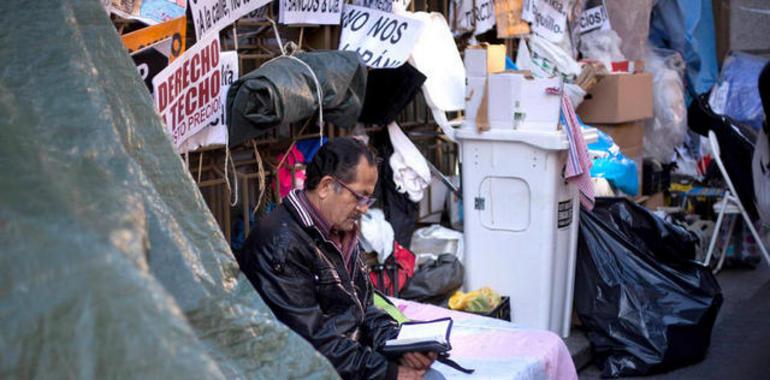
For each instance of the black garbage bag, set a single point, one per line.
(435, 281)
(283, 91)
(668, 242)
(645, 310)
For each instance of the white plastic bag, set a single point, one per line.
(434, 240)
(377, 234)
(545, 60)
(603, 46)
(668, 126)
(436, 56)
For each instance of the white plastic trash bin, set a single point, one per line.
(521, 221)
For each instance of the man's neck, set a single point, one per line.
(316, 201)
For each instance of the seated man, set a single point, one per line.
(304, 260)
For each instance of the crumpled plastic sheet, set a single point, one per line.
(283, 91)
(631, 20)
(667, 128)
(111, 264)
(736, 93)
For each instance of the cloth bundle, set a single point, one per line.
(410, 170)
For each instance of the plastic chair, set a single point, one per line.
(729, 204)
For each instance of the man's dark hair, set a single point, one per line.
(338, 159)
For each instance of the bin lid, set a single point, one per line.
(555, 140)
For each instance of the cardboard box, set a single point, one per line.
(618, 98)
(480, 61)
(628, 136)
(476, 103)
(484, 59)
(519, 101)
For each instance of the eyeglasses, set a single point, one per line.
(363, 200)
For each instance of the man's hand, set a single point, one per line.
(408, 373)
(418, 360)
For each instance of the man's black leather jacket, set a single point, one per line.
(302, 278)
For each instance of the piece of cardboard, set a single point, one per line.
(628, 136)
(480, 61)
(519, 101)
(484, 59)
(618, 98)
(476, 102)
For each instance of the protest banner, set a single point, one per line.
(594, 17)
(549, 19)
(150, 12)
(186, 92)
(508, 18)
(173, 30)
(216, 132)
(394, 6)
(211, 16)
(474, 15)
(149, 63)
(384, 40)
(310, 12)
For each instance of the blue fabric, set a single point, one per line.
(309, 147)
(509, 65)
(618, 170)
(687, 26)
(740, 75)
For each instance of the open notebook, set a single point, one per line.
(428, 336)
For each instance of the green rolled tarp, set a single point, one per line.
(111, 265)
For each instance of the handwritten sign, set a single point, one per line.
(478, 15)
(319, 12)
(211, 16)
(216, 132)
(187, 91)
(384, 5)
(384, 40)
(594, 17)
(508, 17)
(549, 19)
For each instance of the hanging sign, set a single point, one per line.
(149, 12)
(216, 132)
(211, 16)
(310, 12)
(508, 18)
(187, 91)
(394, 6)
(479, 18)
(549, 19)
(594, 17)
(174, 31)
(384, 40)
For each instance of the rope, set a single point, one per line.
(229, 159)
(261, 177)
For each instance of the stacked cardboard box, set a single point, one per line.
(619, 105)
(480, 62)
